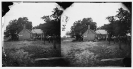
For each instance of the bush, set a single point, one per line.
(79, 57)
(18, 57)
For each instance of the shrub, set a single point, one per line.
(79, 57)
(20, 58)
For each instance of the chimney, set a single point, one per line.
(88, 26)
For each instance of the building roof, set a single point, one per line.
(37, 31)
(25, 30)
(101, 31)
(93, 31)
(89, 30)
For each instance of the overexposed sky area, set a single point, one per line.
(33, 11)
(97, 11)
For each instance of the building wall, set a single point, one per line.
(24, 35)
(37, 36)
(102, 36)
(89, 36)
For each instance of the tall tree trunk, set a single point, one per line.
(54, 41)
(114, 40)
(119, 42)
(54, 44)
(109, 38)
(44, 38)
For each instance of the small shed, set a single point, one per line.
(37, 34)
(25, 34)
(89, 35)
(101, 34)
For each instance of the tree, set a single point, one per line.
(57, 13)
(51, 26)
(124, 18)
(80, 26)
(124, 23)
(119, 26)
(15, 26)
(68, 33)
(46, 18)
(52, 23)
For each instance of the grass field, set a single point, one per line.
(90, 53)
(23, 53)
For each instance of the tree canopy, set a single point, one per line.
(52, 23)
(120, 24)
(15, 26)
(80, 26)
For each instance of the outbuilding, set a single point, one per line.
(37, 34)
(102, 34)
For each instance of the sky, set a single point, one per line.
(97, 11)
(77, 11)
(33, 11)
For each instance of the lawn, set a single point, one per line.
(91, 53)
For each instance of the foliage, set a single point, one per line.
(46, 18)
(17, 57)
(57, 13)
(20, 53)
(120, 24)
(81, 57)
(22, 57)
(68, 33)
(80, 26)
(15, 26)
(52, 23)
(80, 53)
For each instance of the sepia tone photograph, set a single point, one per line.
(66, 34)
